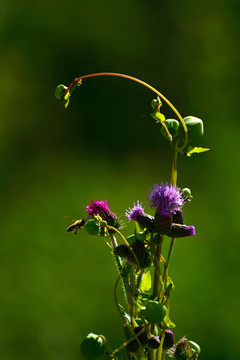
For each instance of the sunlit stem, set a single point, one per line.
(160, 351)
(106, 343)
(144, 84)
(174, 165)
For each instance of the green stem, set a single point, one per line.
(169, 257)
(157, 270)
(77, 80)
(106, 343)
(174, 165)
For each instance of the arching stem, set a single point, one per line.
(77, 80)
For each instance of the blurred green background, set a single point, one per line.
(55, 288)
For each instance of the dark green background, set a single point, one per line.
(55, 288)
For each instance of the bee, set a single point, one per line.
(77, 225)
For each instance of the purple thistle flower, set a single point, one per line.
(137, 214)
(133, 214)
(97, 207)
(166, 198)
(168, 201)
(101, 208)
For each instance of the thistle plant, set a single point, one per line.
(143, 270)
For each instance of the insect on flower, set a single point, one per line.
(77, 225)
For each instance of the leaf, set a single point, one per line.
(66, 99)
(146, 282)
(169, 323)
(159, 117)
(192, 150)
(126, 316)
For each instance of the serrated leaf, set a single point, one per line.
(146, 282)
(126, 316)
(192, 150)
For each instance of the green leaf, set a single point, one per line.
(172, 125)
(66, 99)
(192, 150)
(146, 282)
(159, 117)
(169, 323)
(126, 316)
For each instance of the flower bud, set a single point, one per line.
(172, 125)
(92, 227)
(134, 344)
(154, 342)
(155, 312)
(178, 231)
(146, 221)
(178, 217)
(92, 347)
(60, 91)
(168, 341)
(156, 103)
(141, 253)
(143, 337)
(122, 250)
(162, 222)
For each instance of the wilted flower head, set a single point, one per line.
(166, 198)
(182, 350)
(101, 208)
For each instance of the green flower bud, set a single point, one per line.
(60, 91)
(195, 128)
(92, 347)
(155, 312)
(92, 227)
(156, 103)
(172, 125)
